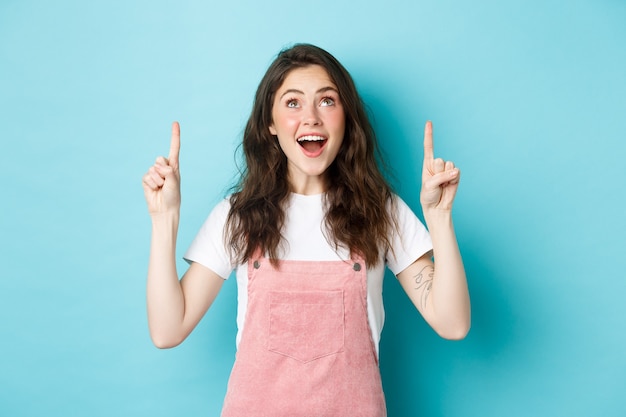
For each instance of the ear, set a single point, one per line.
(272, 130)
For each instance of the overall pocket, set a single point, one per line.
(306, 325)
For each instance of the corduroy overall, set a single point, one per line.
(306, 347)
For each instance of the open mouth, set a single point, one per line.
(312, 144)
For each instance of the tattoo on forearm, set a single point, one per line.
(424, 282)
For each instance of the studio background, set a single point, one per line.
(528, 98)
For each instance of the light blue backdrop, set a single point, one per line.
(527, 97)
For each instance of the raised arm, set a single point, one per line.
(439, 290)
(174, 307)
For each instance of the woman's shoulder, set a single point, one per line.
(223, 204)
(218, 214)
(398, 205)
(405, 218)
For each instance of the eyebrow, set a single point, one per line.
(321, 90)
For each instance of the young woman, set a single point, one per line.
(309, 230)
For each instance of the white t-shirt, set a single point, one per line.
(306, 240)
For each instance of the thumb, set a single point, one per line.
(174, 146)
(446, 177)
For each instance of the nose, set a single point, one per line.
(311, 116)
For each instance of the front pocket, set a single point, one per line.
(306, 325)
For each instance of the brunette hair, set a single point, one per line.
(358, 200)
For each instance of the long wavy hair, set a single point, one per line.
(358, 200)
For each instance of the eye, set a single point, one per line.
(292, 103)
(327, 101)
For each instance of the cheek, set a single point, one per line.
(338, 121)
(285, 122)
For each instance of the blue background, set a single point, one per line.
(527, 97)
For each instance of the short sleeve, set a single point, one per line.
(409, 242)
(208, 247)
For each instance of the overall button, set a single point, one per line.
(356, 267)
(256, 265)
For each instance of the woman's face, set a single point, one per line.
(309, 121)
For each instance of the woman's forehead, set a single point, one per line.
(309, 76)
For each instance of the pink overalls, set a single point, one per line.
(306, 348)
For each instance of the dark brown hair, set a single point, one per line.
(358, 200)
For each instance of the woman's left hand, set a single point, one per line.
(440, 179)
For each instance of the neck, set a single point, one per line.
(308, 185)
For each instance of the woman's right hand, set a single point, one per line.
(161, 184)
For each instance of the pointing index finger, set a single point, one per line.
(428, 142)
(174, 145)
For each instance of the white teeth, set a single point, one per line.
(311, 138)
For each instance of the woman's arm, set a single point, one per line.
(174, 307)
(439, 290)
